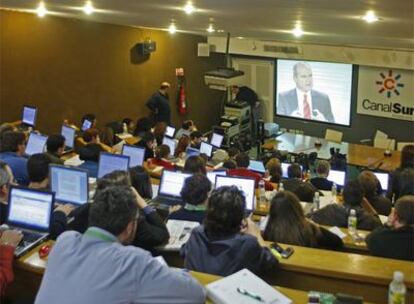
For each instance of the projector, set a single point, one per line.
(222, 78)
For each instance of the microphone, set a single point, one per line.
(387, 151)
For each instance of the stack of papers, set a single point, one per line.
(180, 232)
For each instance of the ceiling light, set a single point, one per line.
(189, 8)
(297, 31)
(88, 8)
(172, 29)
(370, 17)
(211, 29)
(41, 10)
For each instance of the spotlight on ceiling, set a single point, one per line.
(211, 29)
(88, 8)
(172, 28)
(297, 31)
(370, 17)
(41, 10)
(189, 8)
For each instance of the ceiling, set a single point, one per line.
(333, 22)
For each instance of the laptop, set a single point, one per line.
(35, 144)
(136, 155)
(191, 151)
(29, 115)
(170, 187)
(216, 140)
(170, 142)
(383, 179)
(211, 175)
(170, 131)
(245, 184)
(109, 162)
(257, 166)
(30, 211)
(337, 177)
(285, 167)
(69, 184)
(69, 134)
(206, 148)
(86, 124)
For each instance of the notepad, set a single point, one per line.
(180, 232)
(337, 231)
(225, 291)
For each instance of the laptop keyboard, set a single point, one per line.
(30, 237)
(165, 201)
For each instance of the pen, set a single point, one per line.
(249, 294)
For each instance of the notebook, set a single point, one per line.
(244, 287)
(136, 155)
(109, 162)
(69, 184)
(69, 134)
(30, 211)
(35, 144)
(170, 187)
(245, 184)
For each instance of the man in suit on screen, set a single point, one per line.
(302, 101)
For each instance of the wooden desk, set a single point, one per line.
(357, 155)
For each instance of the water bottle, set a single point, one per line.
(262, 194)
(397, 290)
(125, 128)
(316, 201)
(352, 223)
(281, 188)
(334, 190)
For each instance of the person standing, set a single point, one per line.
(159, 104)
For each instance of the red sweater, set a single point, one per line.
(244, 172)
(6, 267)
(162, 163)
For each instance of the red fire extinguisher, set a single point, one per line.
(181, 99)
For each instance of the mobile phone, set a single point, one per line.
(285, 253)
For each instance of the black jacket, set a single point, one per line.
(322, 183)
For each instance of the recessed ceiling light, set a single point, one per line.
(240, 37)
(88, 8)
(172, 28)
(297, 31)
(41, 10)
(370, 17)
(211, 29)
(189, 8)
(220, 31)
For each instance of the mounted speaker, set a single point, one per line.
(146, 48)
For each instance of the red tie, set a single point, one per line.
(306, 107)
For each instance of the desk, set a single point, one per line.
(357, 155)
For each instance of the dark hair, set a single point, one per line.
(141, 181)
(323, 167)
(242, 160)
(187, 124)
(294, 171)
(275, 170)
(54, 142)
(90, 134)
(287, 222)
(196, 134)
(195, 164)
(159, 129)
(407, 156)
(6, 127)
(353, 193)
(115, 178)
(229, 164)
(406, 182)
(146, 138)
(127, 121)
(305, 192)
(182, 145)
(143, 125)
(38, 167)
(196, 188)
(404, 208)
(369, 184)
(225, 212)
(233, 151)
(162, 151)
(90, 152)
(91, 117)
(113, 209)
(10, 141)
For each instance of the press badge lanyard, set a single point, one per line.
(98, 235)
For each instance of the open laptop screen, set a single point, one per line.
(69, 134)
(69, 184)
(191, 151)
(109, 162)
(206, 148)
(29, 115)
(383, 179)
(216, 140)
(87, 124)
(285, 167)
(170, 142)
(211, 175)
(136, 155)
(246, 185)
(257, 166)
(169, 131)
(337, 177)
(35, 144)
(30, 208)
(172, 182)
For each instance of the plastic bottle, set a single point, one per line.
(334, 190)
(352, 223)
(125, 128)
(262, 194)
(397, 290)
(281, 188)
(316, 201)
